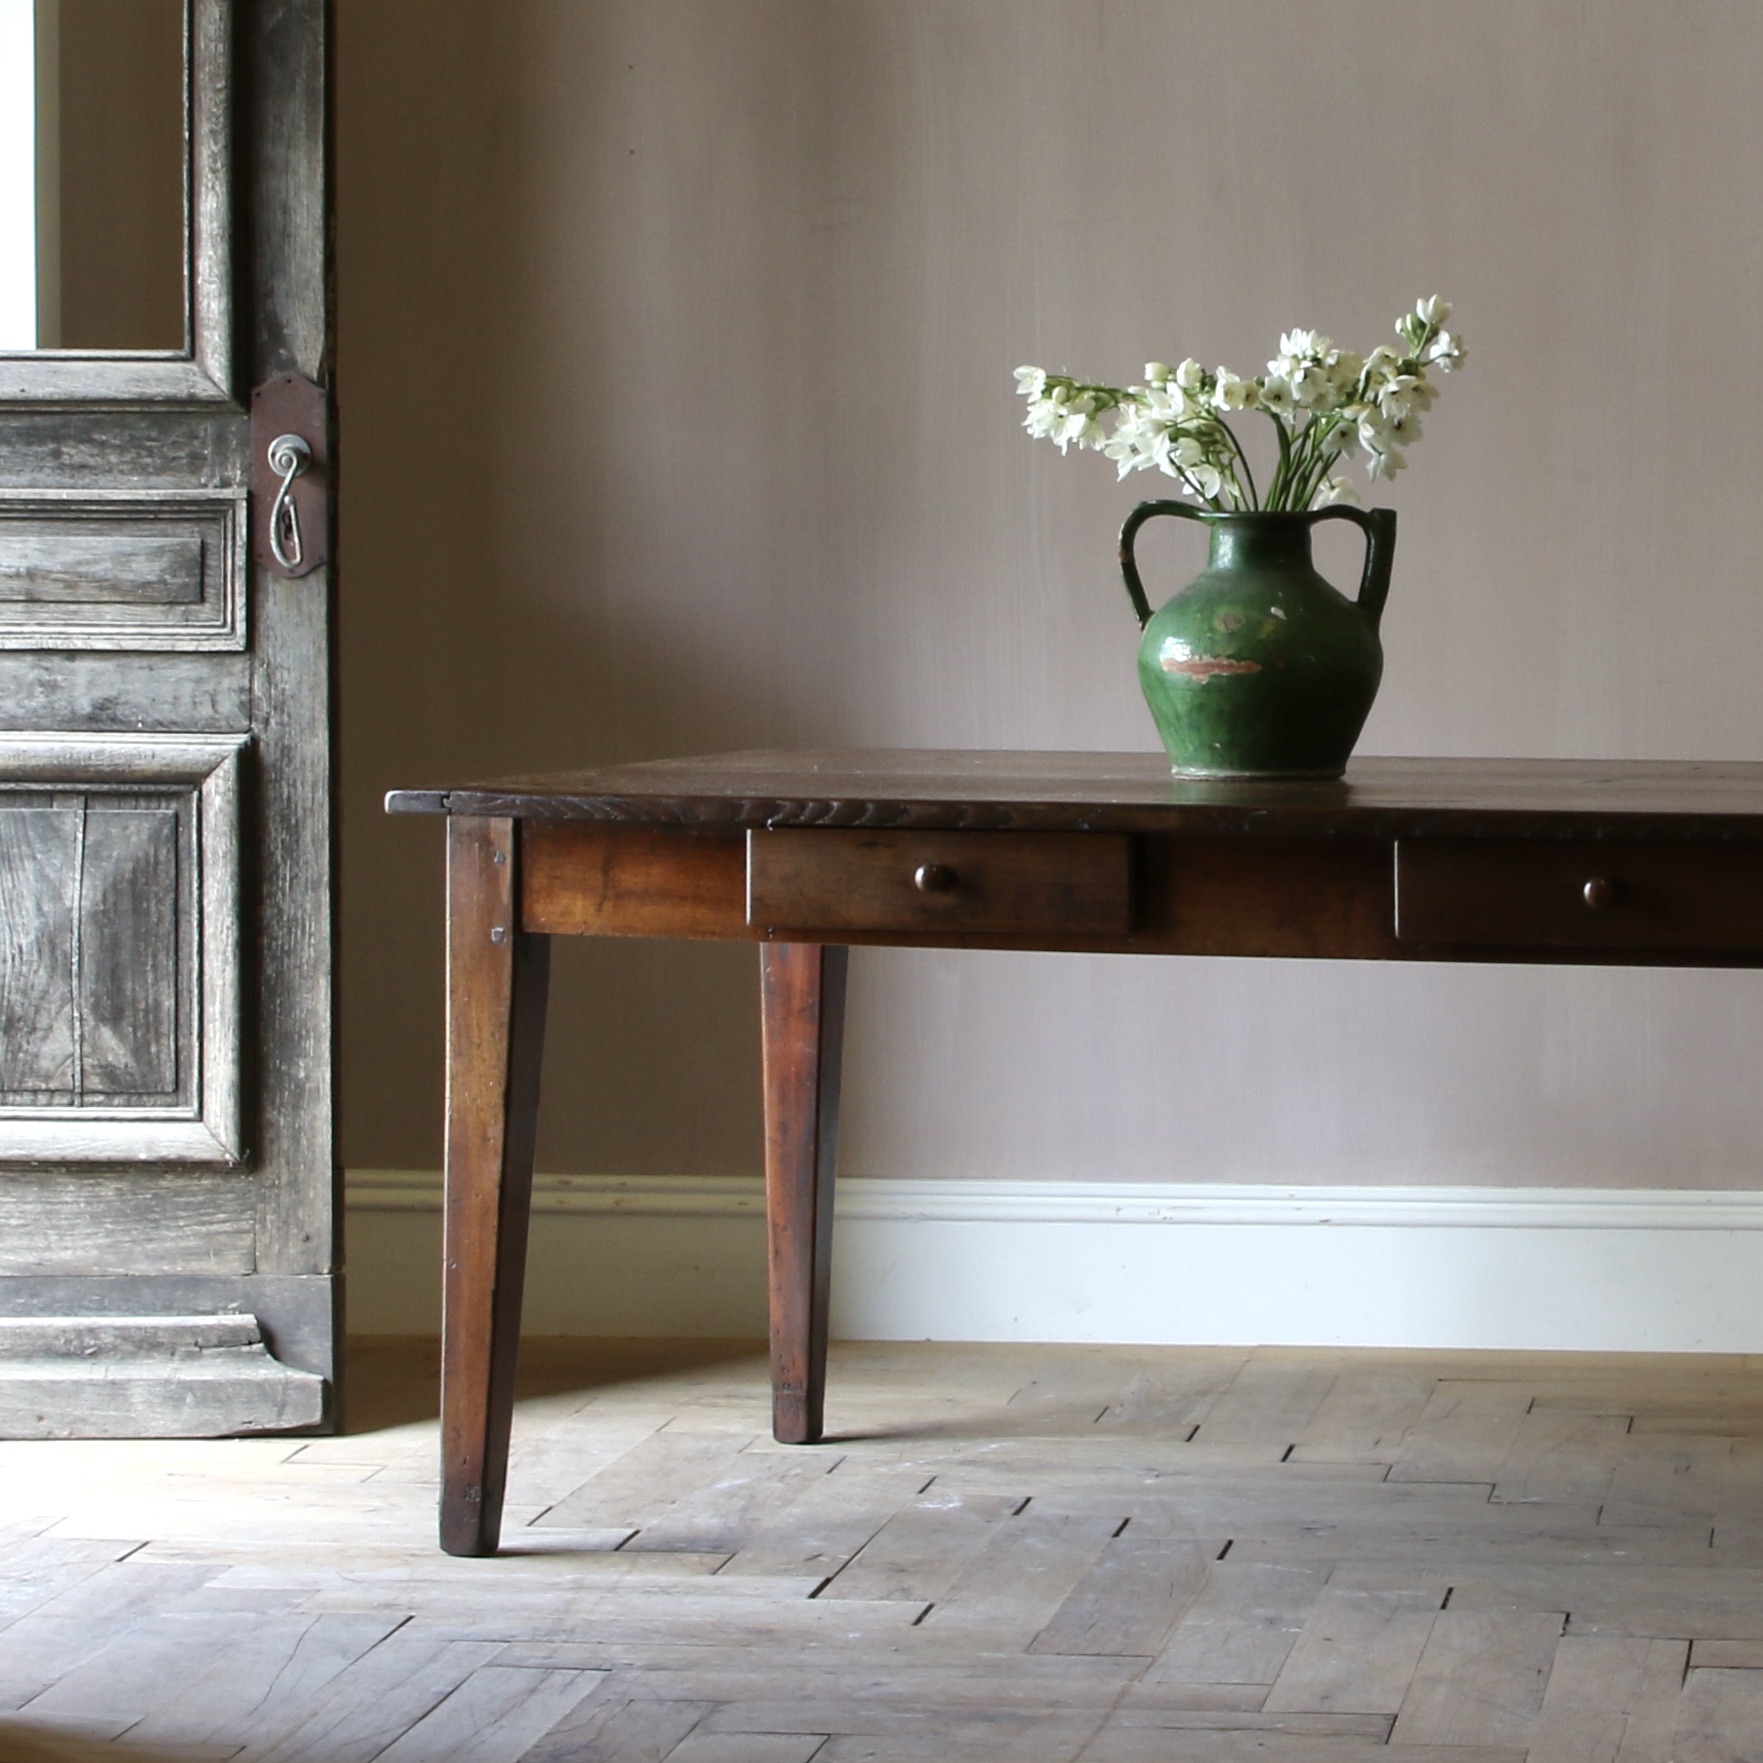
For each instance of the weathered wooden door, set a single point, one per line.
(167, 1203)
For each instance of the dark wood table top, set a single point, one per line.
(1131, 792)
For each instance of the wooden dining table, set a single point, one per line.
(807, 853)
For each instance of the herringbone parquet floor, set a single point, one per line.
(1034, 1555)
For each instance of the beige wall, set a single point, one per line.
(676, 351)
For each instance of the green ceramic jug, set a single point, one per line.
(1258, 668)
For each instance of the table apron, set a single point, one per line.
(1270, 896)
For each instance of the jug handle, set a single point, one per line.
(1129, 567)
(1379, 528)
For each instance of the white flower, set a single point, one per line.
(1078, 423)
(1432, 311)
(1385, 464)
(1073, 427)
(1344, 369)
(1313, 385)
(1132, 446)
(1031, 381)
(1275, 397)
(1064, 414)
(1156, 373)
(1232, 393)
(1396, 396)
(1302, 363)
(1332, 490)
(1445, 352)
(1044, 416)
(1205, 479)
(1126, 458)
(1185, 458)
(1373, 428)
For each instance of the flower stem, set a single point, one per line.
(1243, 460)
(1315, 462)
(1276, 489)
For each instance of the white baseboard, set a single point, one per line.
(1604, 1270)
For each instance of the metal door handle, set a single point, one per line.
(290, 439)
(289, 458)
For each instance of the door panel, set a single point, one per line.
(126, 1004)
(120, 1032)
(169, 691)
(166, 1148)
(89, 968)
(38, 871)
(124, 572)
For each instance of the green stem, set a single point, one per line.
(1277, 487)
(1302, 458)
(1309, 489)
(1324, 458)
(1316, 461)
(1243, 460)
(1315, 480)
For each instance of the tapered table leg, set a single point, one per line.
(496, 985)
(802, 987)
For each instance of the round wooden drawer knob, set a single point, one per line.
(1600, 893)
(933, 878)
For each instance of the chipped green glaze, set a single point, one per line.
(1258, 668)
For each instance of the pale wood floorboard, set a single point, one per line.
(1034, 1555)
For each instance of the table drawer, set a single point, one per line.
(847, 879)
(1586, 893)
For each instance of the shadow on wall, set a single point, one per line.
(482, 626)
(625, 1090)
